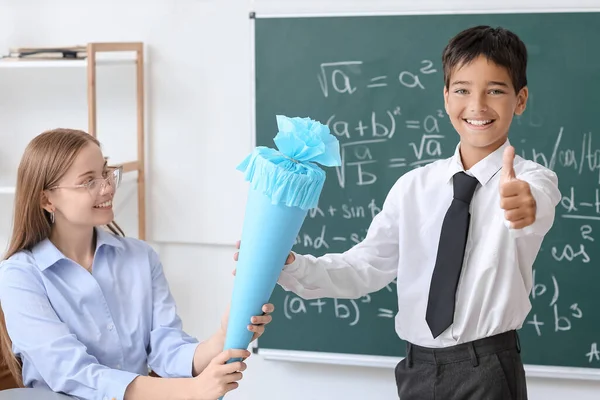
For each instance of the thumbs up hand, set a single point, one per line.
(515, 195)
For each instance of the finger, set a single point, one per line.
(231, 386)
(233, 272)
(291, 258)
(257, 329)
(508, 160)
(237, 244)
(522, 223)
(229, 354)
(237, 366)
(236, 376)
(261, 320)
(515, 215)
(236, 256)
(510, 203)
(268, 308)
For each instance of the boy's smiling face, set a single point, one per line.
(481, 100)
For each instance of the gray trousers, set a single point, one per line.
(486, 369)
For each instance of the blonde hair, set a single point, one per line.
(45, 161)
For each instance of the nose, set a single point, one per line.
(107, 187)
(478, 103)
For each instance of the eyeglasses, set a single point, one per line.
(96, 186)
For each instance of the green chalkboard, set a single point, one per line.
(377, 82)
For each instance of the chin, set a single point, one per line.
(482, 141)
(105, 220)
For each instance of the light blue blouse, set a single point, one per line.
(89, 335)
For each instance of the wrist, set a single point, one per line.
(187, 389)
(218, 339)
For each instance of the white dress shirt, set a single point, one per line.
(402, 242)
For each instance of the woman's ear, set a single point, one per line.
(45, 202)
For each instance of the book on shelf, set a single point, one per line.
(46, 53)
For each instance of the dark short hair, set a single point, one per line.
(498, 45)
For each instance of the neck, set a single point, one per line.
(469, 155)
(76, 244)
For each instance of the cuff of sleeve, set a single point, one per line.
(115, 383)
(288, 276)
(183, 362)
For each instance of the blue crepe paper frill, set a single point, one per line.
(290, 175)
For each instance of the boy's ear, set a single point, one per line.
(522, 97)
(446, 99)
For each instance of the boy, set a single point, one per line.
(460, 235)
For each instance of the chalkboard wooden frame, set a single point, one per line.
(532, 371)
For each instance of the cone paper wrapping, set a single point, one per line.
(284, 185)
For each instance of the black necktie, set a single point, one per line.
(451, 252)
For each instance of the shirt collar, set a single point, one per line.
(46, 254)
(484, 170)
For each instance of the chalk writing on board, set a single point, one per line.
(429, 146)
(593, 355)
(583, 210)
(340, 75)
(568, 253)
(347, 310)
(347, 211)
(357, 155)
(385, 313)
(376, 128)
(585, 159)
(562, 319)
(378, 81)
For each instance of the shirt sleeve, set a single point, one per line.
(171, 352)
(543, 184)
(365, 268)
(45, 342)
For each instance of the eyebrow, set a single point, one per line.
(497, 83)
(91, 172)
(490, 83)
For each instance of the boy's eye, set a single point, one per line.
(496, 91)
(460, 91)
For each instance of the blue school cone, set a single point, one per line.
(284, 185)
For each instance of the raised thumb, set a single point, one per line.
(508, 161)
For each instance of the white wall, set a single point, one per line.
(199, 102)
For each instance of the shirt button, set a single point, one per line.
(110, 328)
